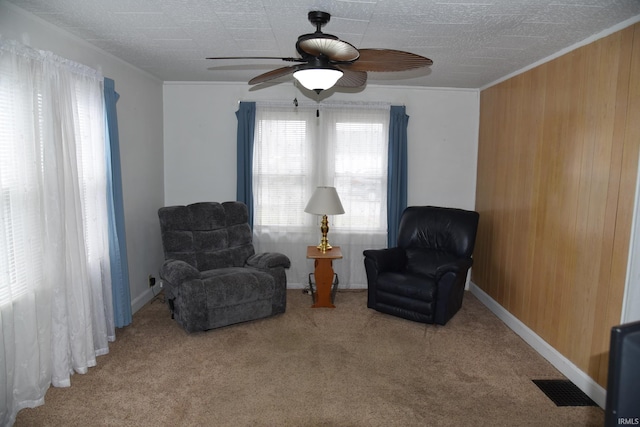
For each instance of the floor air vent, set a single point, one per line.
(564, 393)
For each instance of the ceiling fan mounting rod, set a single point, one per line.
(319, 19)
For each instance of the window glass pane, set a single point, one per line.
(361, 174)
(281, 164)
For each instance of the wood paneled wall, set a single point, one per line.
(557, 168)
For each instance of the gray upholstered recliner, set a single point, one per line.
(212, 276)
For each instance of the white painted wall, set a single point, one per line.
(141, 134)
(200, 138)
(631, 302)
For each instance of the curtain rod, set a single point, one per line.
(20, 49)
(324, 104)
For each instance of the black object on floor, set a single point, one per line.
(564, 393)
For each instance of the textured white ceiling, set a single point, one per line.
(472, 42)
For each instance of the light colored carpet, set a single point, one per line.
(348, 366)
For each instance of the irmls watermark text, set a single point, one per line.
(628, 421)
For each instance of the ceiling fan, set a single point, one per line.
(326, 61)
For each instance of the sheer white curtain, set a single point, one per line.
(56, 313)
(298, 149)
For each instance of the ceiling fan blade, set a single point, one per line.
(273, 74)
(381, 60)
(259, 57)
(351, 78)
(325, 44)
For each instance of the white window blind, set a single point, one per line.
(21, 121)
(280, 169)
(361, 175)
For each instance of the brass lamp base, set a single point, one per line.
(323, 247)
(324, 242)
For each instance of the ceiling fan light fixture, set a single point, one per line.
(318, 79)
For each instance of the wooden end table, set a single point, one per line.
(323, 274)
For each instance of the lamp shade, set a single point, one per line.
(324, 201)
(318, 79)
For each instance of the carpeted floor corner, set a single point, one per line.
(348, 366)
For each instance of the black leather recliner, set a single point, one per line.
(423, 278)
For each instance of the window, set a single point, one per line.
(27, 163)
(21, 121)
(361, 174)
(281, 164)
(296, 150)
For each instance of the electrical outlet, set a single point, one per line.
(152, 281)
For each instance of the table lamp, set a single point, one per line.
(324, 201)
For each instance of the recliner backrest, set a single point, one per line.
(449, 230)
(207, 235)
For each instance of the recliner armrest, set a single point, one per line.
(268, 260)
(459, 266)
(176, 271)
(451, 279)
(389, 259)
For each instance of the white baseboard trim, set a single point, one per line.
(584, 382)
(145, 297)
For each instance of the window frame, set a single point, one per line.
(323, 166)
